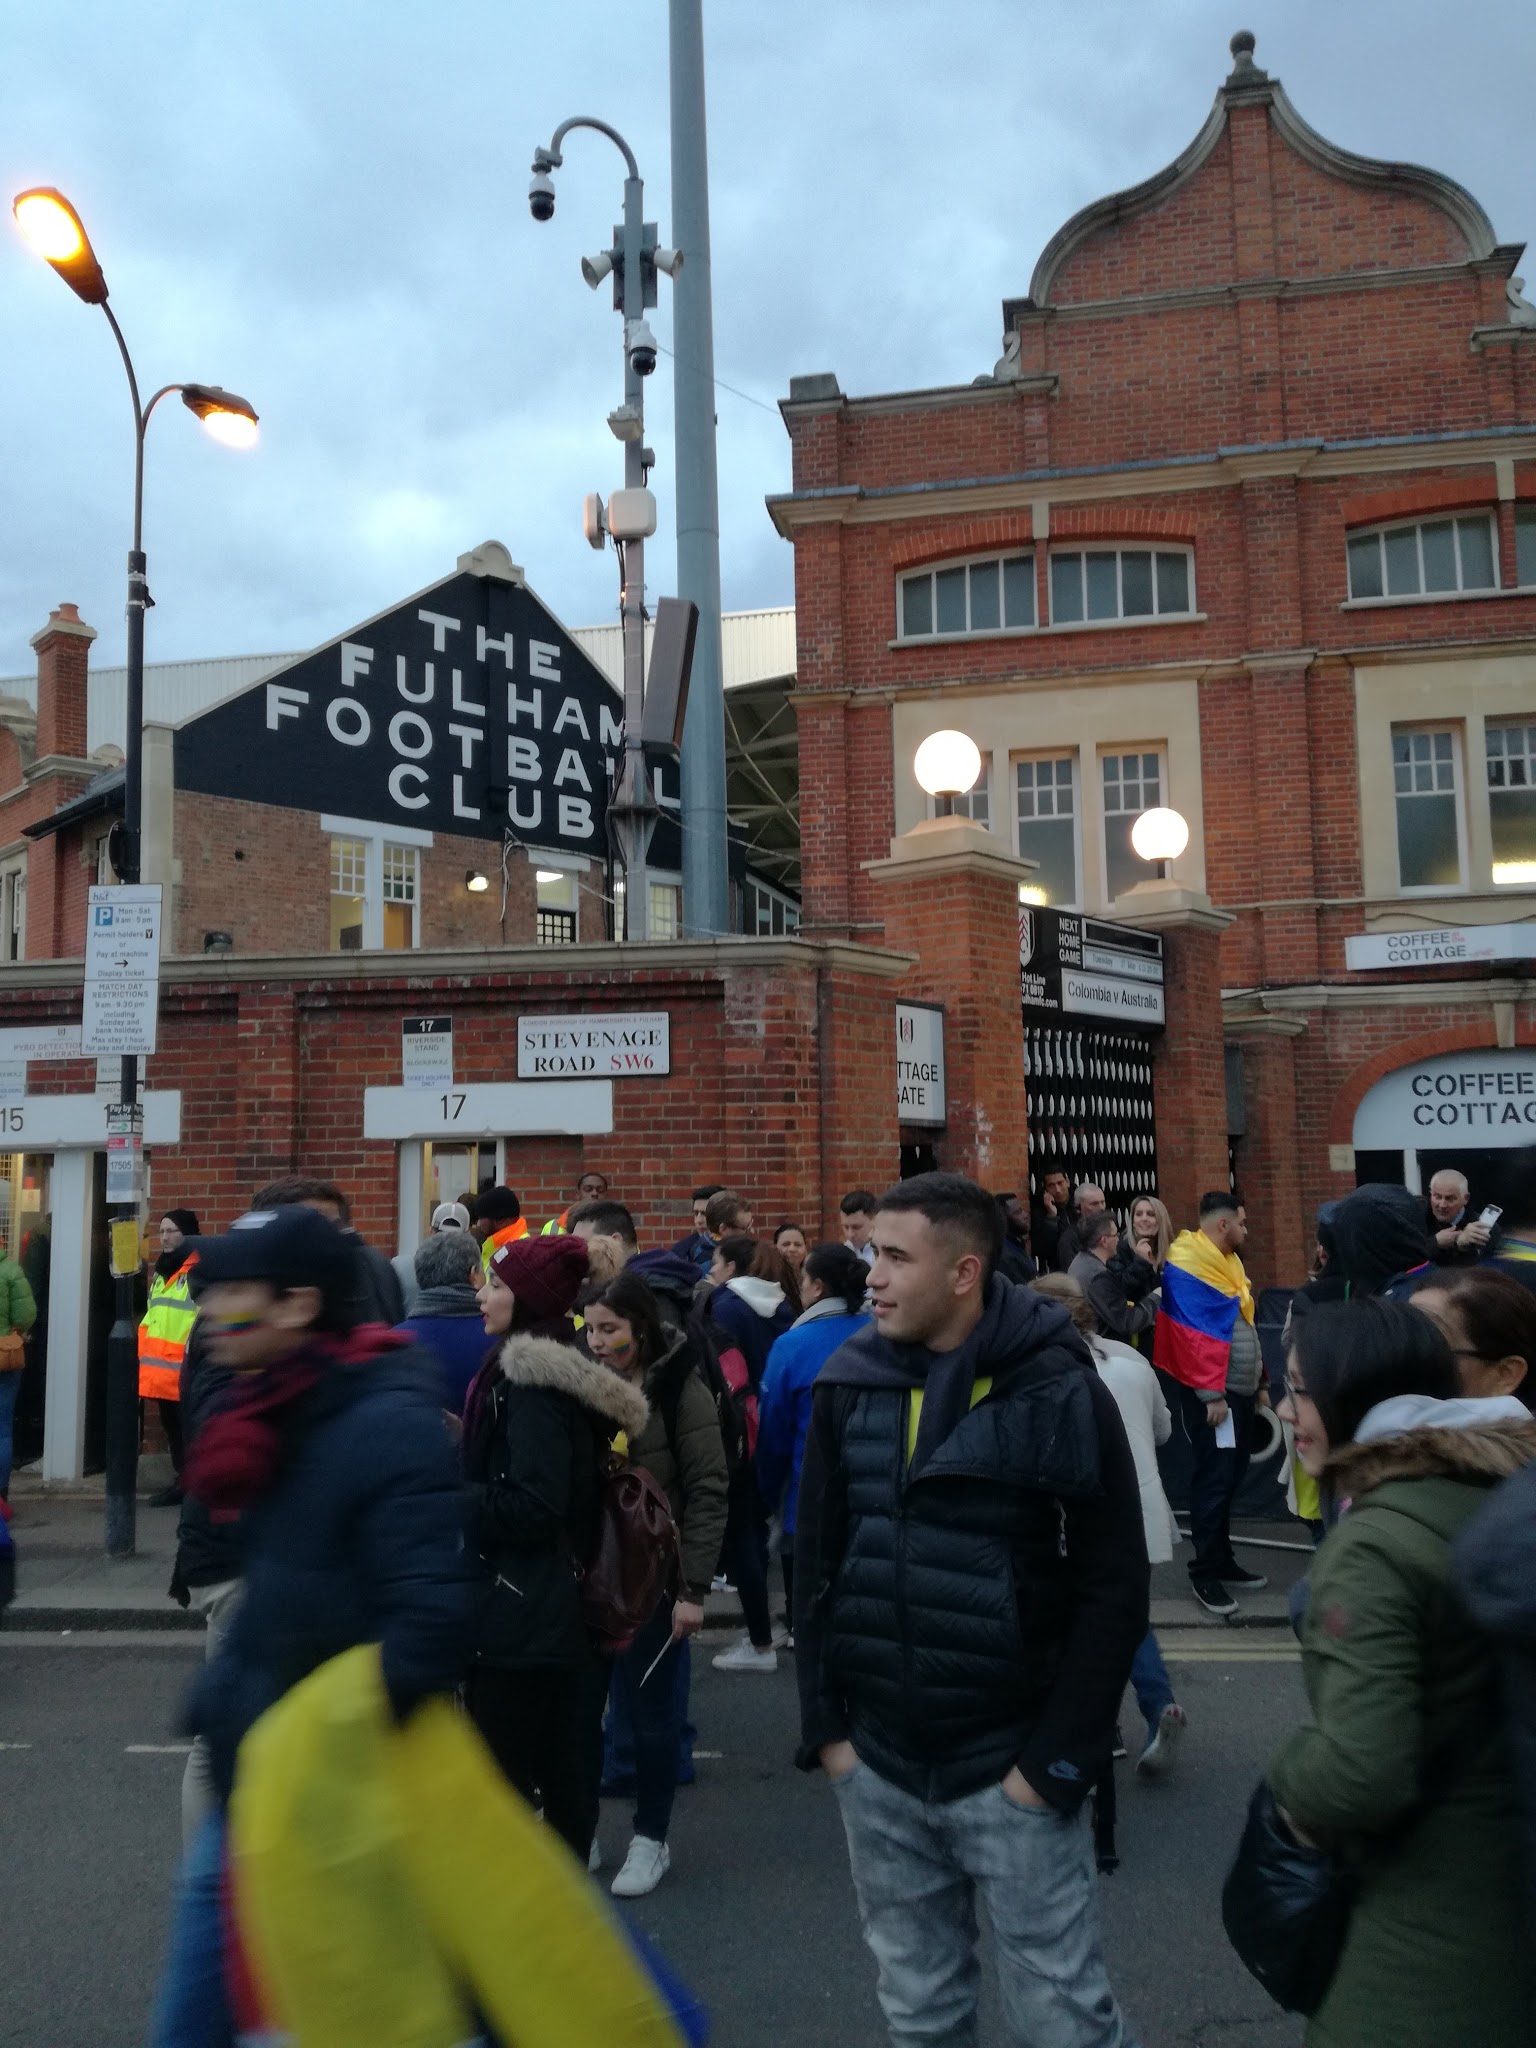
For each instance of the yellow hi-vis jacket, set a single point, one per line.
(163, 1334)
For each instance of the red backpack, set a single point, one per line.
(636, 1555)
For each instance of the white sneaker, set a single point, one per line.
(721, 1584)
(594, 1857)
(745, 1658)
(644, 1867)
(1158, 1754)
(781, 1638)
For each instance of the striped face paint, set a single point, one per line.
(235, 1326)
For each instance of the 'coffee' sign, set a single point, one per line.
(469, 709)
(618, 1046)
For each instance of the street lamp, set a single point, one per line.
(1159, 836)
(947, 765)
(630, 518)
(57, 233)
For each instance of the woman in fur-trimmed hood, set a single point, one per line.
(1407, 1772)
(537, 1422)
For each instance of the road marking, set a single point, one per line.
(15, 1745)
(157, 1749)
(709, 1756)
(1275, 1655)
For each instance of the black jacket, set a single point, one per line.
(1104, 1283)
(207, 1552)
(380, 1298)
(979, 1606)
(1053, 1240)
(533, 1473)
(360, 1539)
(1495, 1562)
(1382, 1238)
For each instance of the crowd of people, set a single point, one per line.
(948, 1426)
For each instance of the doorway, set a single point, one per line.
(26, 1235)
(452, 1171)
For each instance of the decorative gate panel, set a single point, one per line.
(1089, 1096)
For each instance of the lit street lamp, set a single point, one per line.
(56, 232)
(630, 516)
(947, 765)
(1159, 836)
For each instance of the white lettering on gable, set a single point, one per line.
(283, 702)
(571, 713)
(441, 626)
(611, 732)
(484, 643)
(575, 817)
(571, 770)
(544, 661)
(355, 662)
(523, 764)
(402, 684)
(348, 721)
(532, 705)
(468, 737)
(460, 701)
(397, 781)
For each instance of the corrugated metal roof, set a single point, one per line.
(756, 647)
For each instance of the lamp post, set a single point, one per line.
(56, 232)
(630, 517)
(947, 765)
(1158, 837)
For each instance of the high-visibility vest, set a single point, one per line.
(163, 1334)
(494, 1243)
(555, 1227)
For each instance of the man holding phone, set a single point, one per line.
(1458, 1241)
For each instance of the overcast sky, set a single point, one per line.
(322, 204)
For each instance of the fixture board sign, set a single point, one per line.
(1447, 946)
(618, 1046)
(468, 709)
(920, 1064)
(1084, 967)
(1483, 1100)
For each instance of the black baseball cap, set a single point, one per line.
(288, 1247)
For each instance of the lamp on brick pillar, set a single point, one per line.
(950, 895)
(58, 235)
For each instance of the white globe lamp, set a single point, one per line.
(1160, 835)
(947, 764)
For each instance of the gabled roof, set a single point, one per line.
(1248, 85)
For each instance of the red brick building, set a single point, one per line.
(1242, 523)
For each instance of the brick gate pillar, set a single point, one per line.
(947, 895)
(1269, 1162)
(1189, 1060)
(268, 1058)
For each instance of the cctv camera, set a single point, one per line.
(541, 196)
(641, 345)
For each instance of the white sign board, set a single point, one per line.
(40, 1042)
(615, 1045)
(920, 1065)
(109, 1076)
(13, 1080)
(493, 1109)
(426, 1053)
(78, 1123)
(125, 1154)
(122, 969)
(1446, 946)
(1483, 1100)
(1105, 995)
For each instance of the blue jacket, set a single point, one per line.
(784, 1400)
(750, 1314)
(447, 1323)
(698, 1248)
(360, 1539)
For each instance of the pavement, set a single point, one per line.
(757, 1914)
(65, 1580)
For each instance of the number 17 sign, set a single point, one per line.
(426, 1053)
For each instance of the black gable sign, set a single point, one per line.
(467, 710)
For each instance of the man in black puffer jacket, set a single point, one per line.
(971, 1586)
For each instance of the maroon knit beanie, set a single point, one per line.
(545, 1274)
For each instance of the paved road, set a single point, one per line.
(758, 1911)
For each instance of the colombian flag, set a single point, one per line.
(1204, 1292)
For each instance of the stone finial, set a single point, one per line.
(492, 559)
(65, 619)
(1244, 71)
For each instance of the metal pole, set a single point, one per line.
(706, 879)
(634, 808)
(122, 1405)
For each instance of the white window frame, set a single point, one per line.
(375, 837)
(1525, 522)
(1526, 721)
(931, 570)
(1118, 751)
(1072, 754)
(1408, 728)
(768, 913)
(965, 804)
(1452, 514)
(1119, 549)
(13, 908)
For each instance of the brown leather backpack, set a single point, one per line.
(636, 1555)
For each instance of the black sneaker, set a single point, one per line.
(1245, 1582)
(1213, 1596)
(167, 1497)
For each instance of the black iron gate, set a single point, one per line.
(1089, 1097)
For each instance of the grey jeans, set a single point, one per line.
(917, 1869)
(198, 1798)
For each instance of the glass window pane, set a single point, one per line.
(1402, 562)
(1053, 844)
(1103, 591)
(1136, 585)
(1151, 780)
(1123, 866)
(346, 924)
(1019, 590)
(1525, 547)
(399, 927)
(949, 609)
(1476, 537)
(1440, 555)
(1066, 588)
(1512, 814)
(985, 612)
(1365, 566)
(1428, 856)
(916, 606)
(1173, 583)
